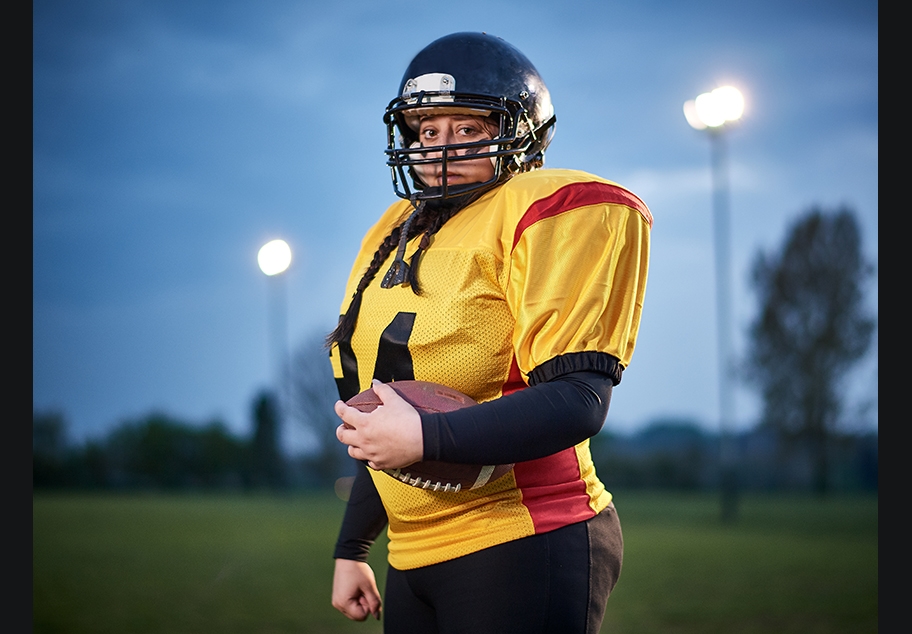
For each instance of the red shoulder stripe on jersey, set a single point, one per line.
(553, 491)
(579, 195)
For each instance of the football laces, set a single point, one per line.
(423, 483)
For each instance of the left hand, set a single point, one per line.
(387, 438)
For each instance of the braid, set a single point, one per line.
(346, 323)
(436, 221)
(427, 220)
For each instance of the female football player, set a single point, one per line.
(521, 287)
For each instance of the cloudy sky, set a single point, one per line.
(172, 139)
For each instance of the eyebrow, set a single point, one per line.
(458, 117)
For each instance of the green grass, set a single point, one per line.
(263, 564)
(789, 564)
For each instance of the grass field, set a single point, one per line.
(208, 564)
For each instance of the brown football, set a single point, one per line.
(433, 475)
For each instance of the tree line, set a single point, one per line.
(159, 451)
(163, 453)
(155, 450)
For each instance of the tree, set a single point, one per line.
(313, 393)
(812, 327)
(160, 451)
(49, 448)
(267, 463)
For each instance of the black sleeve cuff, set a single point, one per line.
(590, 361)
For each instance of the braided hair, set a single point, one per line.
(426, 220)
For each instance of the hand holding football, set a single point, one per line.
(425, 396)
(387, 437)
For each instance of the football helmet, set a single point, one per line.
(468, 73)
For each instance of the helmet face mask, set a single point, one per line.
(471, 74)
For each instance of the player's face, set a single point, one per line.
(451, 129)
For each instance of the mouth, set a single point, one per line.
(452, 178)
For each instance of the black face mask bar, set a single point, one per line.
(402, 157)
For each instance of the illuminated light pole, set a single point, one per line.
(274, 259)
(713, 112)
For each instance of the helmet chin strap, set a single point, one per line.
(399, 269)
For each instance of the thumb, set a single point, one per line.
(384, 391)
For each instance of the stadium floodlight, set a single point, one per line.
(714, 109)
(711, 112)
(274, 257)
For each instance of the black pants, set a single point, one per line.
(550, 583)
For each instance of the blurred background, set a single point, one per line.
(173, 140)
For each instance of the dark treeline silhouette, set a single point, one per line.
(156, 451)
(681, 455)
(160, 452)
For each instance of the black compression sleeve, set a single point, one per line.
(532, 423)
(364, 518)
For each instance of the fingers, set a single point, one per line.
(354, 610)
(344, 411)
(358, 610)
(370, 602)
(389, 436)
(355, 592)
(343, 431)
(356, 453)
(351, 415)
(347, 435)
(352, 418)
(348, 416)
(359, 454)
(385, 392)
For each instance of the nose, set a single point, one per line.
(444, 137)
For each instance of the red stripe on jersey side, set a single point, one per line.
(514, 379)
(579, 195)
(553, 491)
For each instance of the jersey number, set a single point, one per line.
(394, 361)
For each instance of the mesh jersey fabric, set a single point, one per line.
(550, 263)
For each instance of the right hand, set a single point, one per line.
(354, 591)
(388, 437)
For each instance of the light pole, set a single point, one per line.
(274, 259)
(712, 112)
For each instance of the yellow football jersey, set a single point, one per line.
(550, 263)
